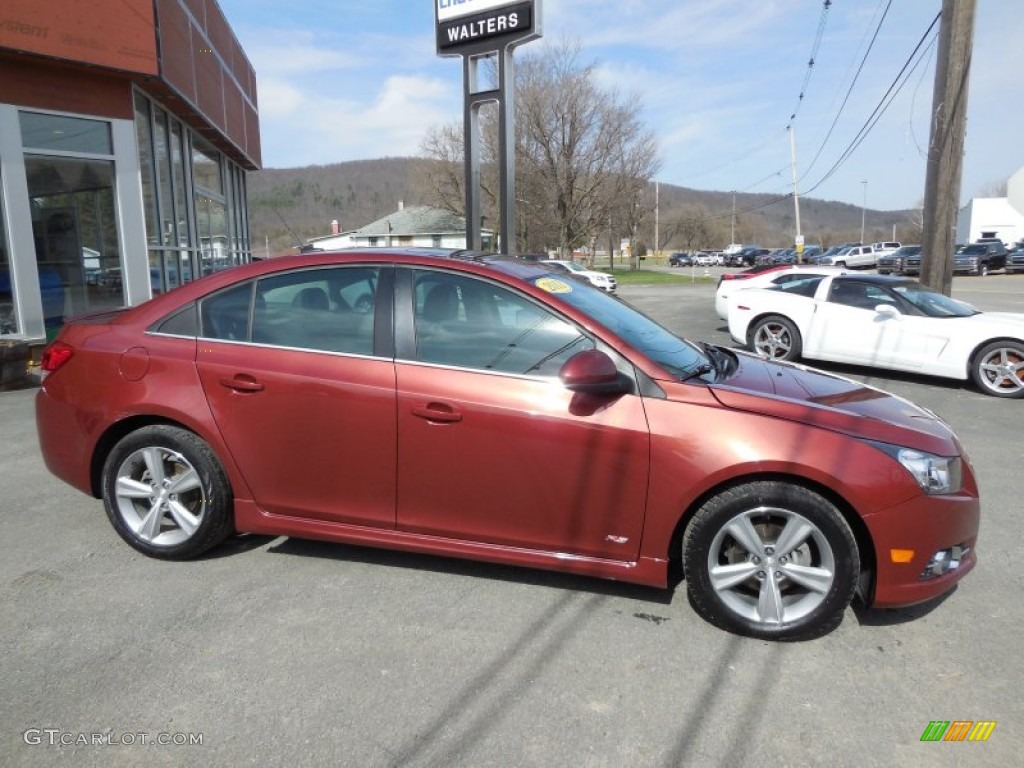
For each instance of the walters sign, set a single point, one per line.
(465, 26)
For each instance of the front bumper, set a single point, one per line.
(908, 541)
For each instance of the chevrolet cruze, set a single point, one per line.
(484, 407)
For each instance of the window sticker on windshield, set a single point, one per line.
(551, 285)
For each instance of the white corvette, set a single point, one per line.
(884, 322)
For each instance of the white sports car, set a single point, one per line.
(730, 283)
(885, 322)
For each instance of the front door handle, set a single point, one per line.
(242, 383)
(438, 412)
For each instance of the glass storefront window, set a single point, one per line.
(213, 234)
(206, 166)
(162, 150)
(144, 139)
(76, 240)
(8, 309)
(180, 196)
(66, 134)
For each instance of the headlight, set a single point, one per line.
(935, 474)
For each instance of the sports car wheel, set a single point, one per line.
(166, 493)
(998, 369)
(770, 560)
(775, 337)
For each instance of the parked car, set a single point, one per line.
(884, 322)
(729, 284)
(883, 248)
(902, 261)
(823, 258)
(492, 409)
(748, 256)
(854, 257)
(1015, 260)
(602, 280)
(680, 259)
(980, 258)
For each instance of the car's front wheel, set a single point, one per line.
(998, 369)
(166, 493)
(775, 337)
(770, 560)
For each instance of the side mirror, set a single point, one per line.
(888, 310)
(593, 372)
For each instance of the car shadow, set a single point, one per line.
(472, 568)
(236, 545)
(888, 617)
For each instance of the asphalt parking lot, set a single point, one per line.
(285, 652)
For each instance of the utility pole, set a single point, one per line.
(863, 210)
(946, 146)
(799, 239)
(732, 235)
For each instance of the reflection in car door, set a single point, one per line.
(305, 405)
(491, 446)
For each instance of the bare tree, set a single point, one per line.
(583, 157)
(690, 227)
(994, 189)
(915, 224)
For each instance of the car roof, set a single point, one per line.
(876, 279)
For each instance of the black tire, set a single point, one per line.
(998, 369)
(841, 264)
(186, 510)
(982, 269)
(775, 337)
(769, 603)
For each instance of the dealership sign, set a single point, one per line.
(470, 26)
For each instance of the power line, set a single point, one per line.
(894, 89)
(822, 23)
(849, 91)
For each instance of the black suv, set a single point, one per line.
(980, 258)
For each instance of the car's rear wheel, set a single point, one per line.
(775, 337)
(166, 493)
(770, 560)
(998, 369)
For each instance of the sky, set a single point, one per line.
(718, 81)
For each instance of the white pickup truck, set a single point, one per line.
(854, 257)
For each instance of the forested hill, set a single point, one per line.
(290, 205)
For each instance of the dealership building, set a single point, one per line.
(126, 131)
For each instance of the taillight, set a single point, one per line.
(54, 357)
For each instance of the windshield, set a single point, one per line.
(675, 355)
(932, 303)
(974, 250)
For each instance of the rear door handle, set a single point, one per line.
(242, 383)
(437, 412)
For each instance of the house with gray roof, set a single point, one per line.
(409, 226)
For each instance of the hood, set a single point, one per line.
(1007, 323)
(798, 393)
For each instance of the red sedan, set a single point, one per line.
(483, 407)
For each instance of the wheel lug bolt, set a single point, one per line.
(760, 574)
(769, 551)
(755, 559)
(783, 559)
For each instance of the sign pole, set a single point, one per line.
(477, 30)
